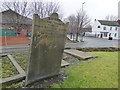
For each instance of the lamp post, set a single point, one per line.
(5, 39)
(82, 5)
(82, 23)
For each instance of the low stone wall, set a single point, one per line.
(91, 49)
(14, 40)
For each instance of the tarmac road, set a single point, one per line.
(94, 42)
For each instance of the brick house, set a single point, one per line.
(11, 19)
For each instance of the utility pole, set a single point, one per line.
(82, 23)
(5, 40)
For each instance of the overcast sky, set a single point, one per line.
(96, 9)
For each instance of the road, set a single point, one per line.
(94, 42)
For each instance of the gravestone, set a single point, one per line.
(46, 48)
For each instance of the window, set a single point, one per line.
(115, 28)
(98, 26)
(104, 28)
(115, 35)
(110, 28)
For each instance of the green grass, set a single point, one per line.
(101, 72)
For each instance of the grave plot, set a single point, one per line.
(8, 69)
(21, 57)
(11, 71)
(46, 50)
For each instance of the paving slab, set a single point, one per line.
(79, 54)
(64, 63)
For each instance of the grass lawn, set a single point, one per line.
(101, 72)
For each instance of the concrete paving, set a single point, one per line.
(79, 54)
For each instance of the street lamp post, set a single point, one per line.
(82, 23)
(5, 39)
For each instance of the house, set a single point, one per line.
(12, 25)
(106, 29)
(7, 32)
(14, 21)
(11, 18)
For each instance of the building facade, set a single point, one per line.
(106, 29)
(9, 19)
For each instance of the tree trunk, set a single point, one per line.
(76, 36)
(70, 35)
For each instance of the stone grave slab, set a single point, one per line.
(46, 48)
(79, 54)
(64, 63)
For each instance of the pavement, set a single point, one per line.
(4, 49)
(14, 46)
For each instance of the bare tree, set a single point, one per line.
(79, 21)
(17, 13)
(45, 9)
(82, 21)
(26, 9)
(23, 8)
(111, 18)
(72, 25)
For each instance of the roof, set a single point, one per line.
(108, 23)
(10, 16)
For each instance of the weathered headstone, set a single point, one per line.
(47, 46)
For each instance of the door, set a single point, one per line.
(101, 36)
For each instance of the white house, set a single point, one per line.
(106, 29)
